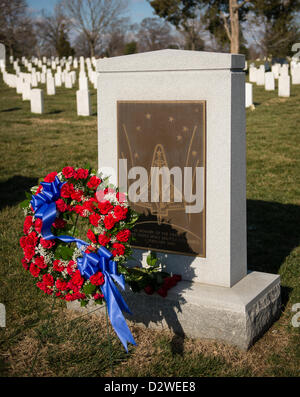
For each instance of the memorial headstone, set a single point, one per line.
(83, 103)
(269, 81)
(284, 85)
(50, 85)
(37, 101)
(2, 57)
(249, 95)
(184, 111)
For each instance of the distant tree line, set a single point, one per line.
(101, 27)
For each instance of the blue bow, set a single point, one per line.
(44, 206)
(101, 261)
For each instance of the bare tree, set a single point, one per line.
(92, 18)
(49, 29)
(154, 34)
(16, 30)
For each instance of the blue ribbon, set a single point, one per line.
(44, 206)
(101, 261)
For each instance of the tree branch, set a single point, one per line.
(226, 26)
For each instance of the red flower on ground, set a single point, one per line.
(98, 296)
(77, 279)
(162, 292)
(48, 280)
(97, 279)
(25, 264)
(77, 195)
(149, 290)
(71, 268)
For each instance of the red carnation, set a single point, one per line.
(48, 280)
(58, 266)
(121, 197)
(50, 177)
(81, 173)
(77, 195)
(123, 235)
(47, 244)
(91, 236)
(32, 239)
(177, 277)
(67, 190)
(29, 251)
(23, 241)
(94, 182)
(98, 296)
(38, 225)
(71, 267)
(25, 264)
(61, 285)
(27, 224)
(97, 279)
(68, 172)
(103, 240)
(120, 212)
(118, 249)
(61, 205)
(94, 219)
(77, 279)
(34, 270)
(105, 207)
(109, 221)
(40, 262)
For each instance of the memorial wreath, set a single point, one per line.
(70, 268)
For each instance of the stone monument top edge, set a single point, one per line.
(171, 60)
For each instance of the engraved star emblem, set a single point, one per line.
(148, 116)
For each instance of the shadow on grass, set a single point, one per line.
(13, 190)
(10, 110)
(55, 112)
(273, 233)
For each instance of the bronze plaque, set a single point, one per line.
(166, 134)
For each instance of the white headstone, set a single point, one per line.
(249, 96)
(68, 80)
(2, 57)
(58, 81)
(83, 103)
(269, 81)
(284, 85)
(37, 101)
(26, 92)
(83, 83)
(296, 75)
(260, 76)
(50, 85)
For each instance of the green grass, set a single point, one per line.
(33, 145)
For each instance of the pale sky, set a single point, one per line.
(137, 10)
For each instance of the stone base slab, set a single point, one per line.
(238, 315)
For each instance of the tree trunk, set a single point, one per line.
(235, 27)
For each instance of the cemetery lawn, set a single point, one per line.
(33, 145)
